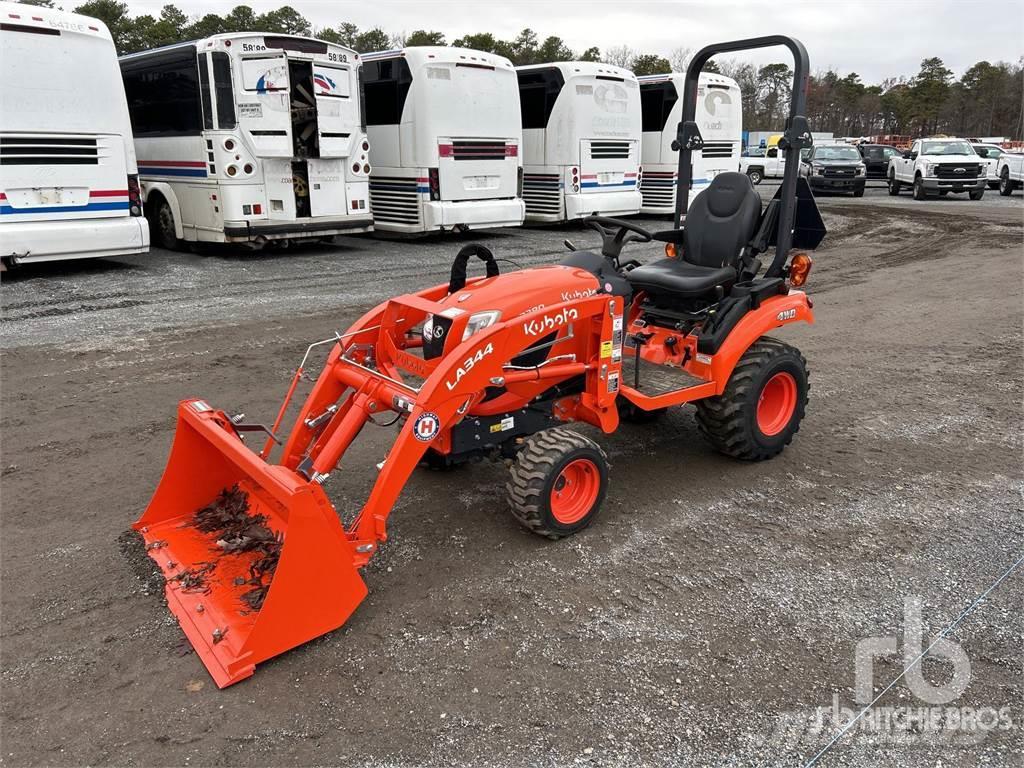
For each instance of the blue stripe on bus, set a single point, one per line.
(118, 206)
(591, 184)
(152, 170)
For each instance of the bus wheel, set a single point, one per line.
(161, 226)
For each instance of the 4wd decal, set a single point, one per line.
(544, 325)
(787, 314)
(468, 364)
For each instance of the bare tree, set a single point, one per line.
(398, 39)
(680, 58)
(619, 56)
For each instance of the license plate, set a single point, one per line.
(480, 182)
(42, 196)
(609, 178)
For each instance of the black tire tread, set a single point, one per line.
(537, 459)
(720, 419)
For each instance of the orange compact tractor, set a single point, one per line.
(257, 559)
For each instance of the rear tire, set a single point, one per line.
(976, 194)
(919, 191)
(558, 482)
(1005, 185)
(755, 175)
(763, 403)
(162, 227)
(894, 186)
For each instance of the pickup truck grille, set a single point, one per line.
(48, 150)
(542, 193)
(957, 171)
(609, 150)
(717, 149)
(840, 172)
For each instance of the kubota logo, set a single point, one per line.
(787, 314)
(570, 295)
(550, 322)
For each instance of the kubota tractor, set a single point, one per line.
(256, 557)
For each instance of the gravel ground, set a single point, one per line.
(703, 620)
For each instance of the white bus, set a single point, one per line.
(68, 183)
(720, 119)
(444, 133)
(581, 140)
(249, 138)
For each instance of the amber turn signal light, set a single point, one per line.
(799, 269)
(671, 250)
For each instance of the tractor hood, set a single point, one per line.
(514, 293)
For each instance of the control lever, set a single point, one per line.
(569, 244)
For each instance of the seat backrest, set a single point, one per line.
(721, 221)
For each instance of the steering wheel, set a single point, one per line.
(615, 233)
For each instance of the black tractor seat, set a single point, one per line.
(719, 226)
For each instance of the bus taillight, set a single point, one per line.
(435, 184)
(134, 195)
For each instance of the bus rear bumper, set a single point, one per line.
(26, 242)
(247, 232)
(624, 203)
(475, 214)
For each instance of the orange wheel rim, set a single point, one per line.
(776, 404)
(575, 491)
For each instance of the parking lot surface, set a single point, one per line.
(704, 619)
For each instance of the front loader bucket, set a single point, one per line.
(315, 585)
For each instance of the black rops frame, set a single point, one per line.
(797, 135)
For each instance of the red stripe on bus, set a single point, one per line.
(108, 193)
(175, 163)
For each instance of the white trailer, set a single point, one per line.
(444, 131)
(581, 140)
(68, 180)
(720, 119)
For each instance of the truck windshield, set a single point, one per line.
(946, 148)
(836, 153)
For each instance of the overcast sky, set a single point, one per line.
(874, 38)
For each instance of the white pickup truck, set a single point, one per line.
(1010, 172)
(770, 166)
(938, 165)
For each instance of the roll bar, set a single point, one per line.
(797, 134)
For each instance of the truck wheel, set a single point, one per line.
(763, 403)
(976, 194)
(1005, 185)
(919, 190)
(755, 175)
(559, 480)
(894, 186)
(161, 225)
(858, 191)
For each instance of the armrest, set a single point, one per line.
(669, 235)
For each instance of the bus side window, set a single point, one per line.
(224, 90)
(163, 94)
(204, 90)
(538, 92)
(386, 85)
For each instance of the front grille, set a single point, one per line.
(478, 150)
(394, 199)
(840, 172)
(542, 193)
(658, 189)
(48, 150)
(717, 149)
(609, 150)
(950, 171)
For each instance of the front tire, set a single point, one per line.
(894, 186)
(755, 176)
(558, 482)
(976, 194)
(762, 406)
(919, 191)
(1005, 185)
(858, 191)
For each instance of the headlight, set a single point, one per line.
(819, 170)
(981, 169)
(860, 169)
(476, 323)
(929, 169)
